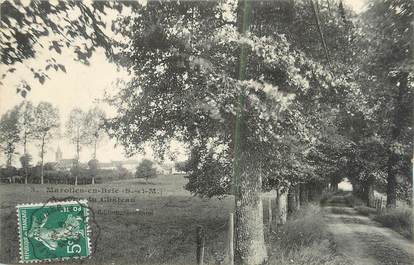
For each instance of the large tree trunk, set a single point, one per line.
(400, 120)
(250, 244)
(292, 199)
(297, 196)
(369, 190)
(282, 206)
(391, 183)
(334, 185)
(304, 194)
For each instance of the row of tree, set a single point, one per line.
(266, 94)
(27, 123)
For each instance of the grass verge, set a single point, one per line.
(305, 240)
(398, 219)
(365, 210)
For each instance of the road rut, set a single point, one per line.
(365, 242)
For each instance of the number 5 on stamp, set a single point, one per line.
(53, 231)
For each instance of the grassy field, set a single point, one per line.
(158, 225)
(153, 228)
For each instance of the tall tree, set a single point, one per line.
(47, 122)
(9, 134)
(389, 26)
(26, 120)
(187, 85)
(76, 130)
(94, 125)
(26, 125)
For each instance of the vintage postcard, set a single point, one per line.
(206, 132)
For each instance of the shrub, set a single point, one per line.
(93, 165)
(50, 166)
(146, 170)
(304, 228)
(8, 172)
(398, 219)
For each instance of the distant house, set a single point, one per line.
(168, 169)
(108, 165)
(66, 164)
(130, 165)
(164, 169)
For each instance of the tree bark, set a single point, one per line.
(292, 199)
(391, 182)
(282, 206)
(247, 181)
(304, 194)
(334, 185)
(297, 196)
(369, 190)
(399, 121)
(250, 246)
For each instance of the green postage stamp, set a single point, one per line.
(53, 231)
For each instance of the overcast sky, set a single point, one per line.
(83, 86)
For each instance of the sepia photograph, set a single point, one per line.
(207, 132)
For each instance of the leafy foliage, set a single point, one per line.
(146, 170)
(94, 124)
(77, 130)
(9, 134)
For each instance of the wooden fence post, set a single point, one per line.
(231, 239)
(270, 216)
(200, 245)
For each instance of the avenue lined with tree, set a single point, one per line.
(290, 97)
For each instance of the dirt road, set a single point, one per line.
(365, 242)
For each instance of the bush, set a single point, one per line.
(398, 219)
(146, 170)
(8, 172)
(304, 228)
